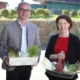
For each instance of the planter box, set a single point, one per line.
(23, 61)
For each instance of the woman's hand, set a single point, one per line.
(59, 56)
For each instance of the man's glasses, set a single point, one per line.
(24, 10)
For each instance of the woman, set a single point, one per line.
(64, 47)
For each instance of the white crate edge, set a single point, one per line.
(23, 61)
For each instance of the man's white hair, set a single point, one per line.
(23, 3)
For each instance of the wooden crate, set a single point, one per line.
(23, 61)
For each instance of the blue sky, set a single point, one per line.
(14, 3)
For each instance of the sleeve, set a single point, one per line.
(3, 43)
(49, 49)
(77, 49)
(37, 41)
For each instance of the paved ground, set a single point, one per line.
(38, 72)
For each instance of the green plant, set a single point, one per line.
(77, 34)
(13, 52)
(46, 12)
(40, 12)
(33, 51)
(65, 12)
(12, 12)
(32, 12)
(78, 12)
(72, 13)
(5, 13)
(73, 68)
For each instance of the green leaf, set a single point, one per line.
(33, 51)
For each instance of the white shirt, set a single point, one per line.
(23, 39)
(24, 42)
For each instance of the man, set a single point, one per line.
(19, 34)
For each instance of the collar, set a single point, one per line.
(21, 25)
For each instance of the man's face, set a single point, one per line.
(23, 11)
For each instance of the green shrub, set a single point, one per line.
(32, 12)
(78, 12)
(40, 12)
(12, 13)
(5, 13)
(65, 12)
(46, 12)
(72, 13)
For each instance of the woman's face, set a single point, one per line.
(63, 25)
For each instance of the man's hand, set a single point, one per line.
(34, 64)
(6, 60)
